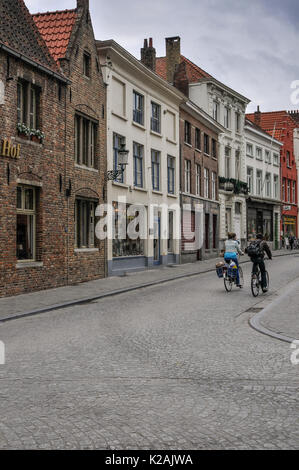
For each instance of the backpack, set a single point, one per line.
(255, 250)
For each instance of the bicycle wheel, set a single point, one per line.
(228, 284)
(268, 282)
(255, 285)
(241, 276)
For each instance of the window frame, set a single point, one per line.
(138, 108)
(156, 169)
(188, 133)
(138, 158)
(187, 176)
(156, 120)
(86, 64)
(86, 141)
(83, 217)
(171, 174)
(27, 212)
(28, 104)
(206, 183)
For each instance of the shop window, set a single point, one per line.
(123, 244)
(85, 223)
(26, 223)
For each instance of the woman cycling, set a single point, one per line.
(232, 249)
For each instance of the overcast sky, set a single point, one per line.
(251, 46)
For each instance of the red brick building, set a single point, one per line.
(281, 126)
(52, 149)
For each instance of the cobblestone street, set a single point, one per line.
(175, 366)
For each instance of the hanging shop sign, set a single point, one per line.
(10, 150)
(287, 208)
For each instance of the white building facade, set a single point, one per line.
(228, 108)
(142, 115)
(264, 183)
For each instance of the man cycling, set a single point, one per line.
(232, 249)
(256, 251)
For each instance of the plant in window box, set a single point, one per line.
(37, 135)
(23, 130)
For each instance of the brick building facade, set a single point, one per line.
(49, 186)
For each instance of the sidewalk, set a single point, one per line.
(47, 300)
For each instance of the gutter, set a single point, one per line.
(35, 64)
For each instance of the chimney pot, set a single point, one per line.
(148, 55)
(150, 42)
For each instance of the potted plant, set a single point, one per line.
(23, 130)
(37, 135)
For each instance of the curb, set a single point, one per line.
(85, 300)
(254, 322)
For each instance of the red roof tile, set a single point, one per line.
(278, 120)
(194, 72)
(56, 29)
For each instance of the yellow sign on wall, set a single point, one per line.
(10, 150)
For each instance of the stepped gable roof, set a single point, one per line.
(56, 29)
(19, 33)
(194, 72)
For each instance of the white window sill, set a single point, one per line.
(188, 145)
(174, 142)
(83, 167)
(174, 196)
(154, 191)
(140, 126)
(29, 264)
(140, 189)
(119, 116)
(197, 150)
(157, 134)
(86, 250)
(121, 185)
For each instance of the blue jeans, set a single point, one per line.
(231, 256)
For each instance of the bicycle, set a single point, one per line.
(230, 277)
(256, 282)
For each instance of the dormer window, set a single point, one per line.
(86, 64)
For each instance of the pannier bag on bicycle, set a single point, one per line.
(219, 269)
(254, 250)
(233, 270)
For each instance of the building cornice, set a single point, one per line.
(222, 87)
(136, 65)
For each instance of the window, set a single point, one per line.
(127, 246)
(276, 187)
(86, 64)
(206, 183)
(171, 174)
(237, 165)
(249, 150)
(250, 179)
(238, 208)
(156, 118)
(26, 223)
(259, 182)
(85, 223)
(227, 114)
(214, 187)
(156, 170)
(170, 231)
(216, 111)
(197, 139)
(187, 176)
(238, 122)
(283, 189)
(259, 153)
(206, 140)
(187, 132)
(288, 159)
(118, 141)
(85, 141)
(294, 192)
(289, 191)
(267, 156)
(138, 108)
(275, 159)
(198, 180)
(138, 165)
(28, 104)
(227, 162)
(214, 148)
(268, 185)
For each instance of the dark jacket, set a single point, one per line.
(265, 249)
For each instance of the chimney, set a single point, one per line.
(257, 116)
(173, 56)
(148, 55)
(83, 4)
(181, 81)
